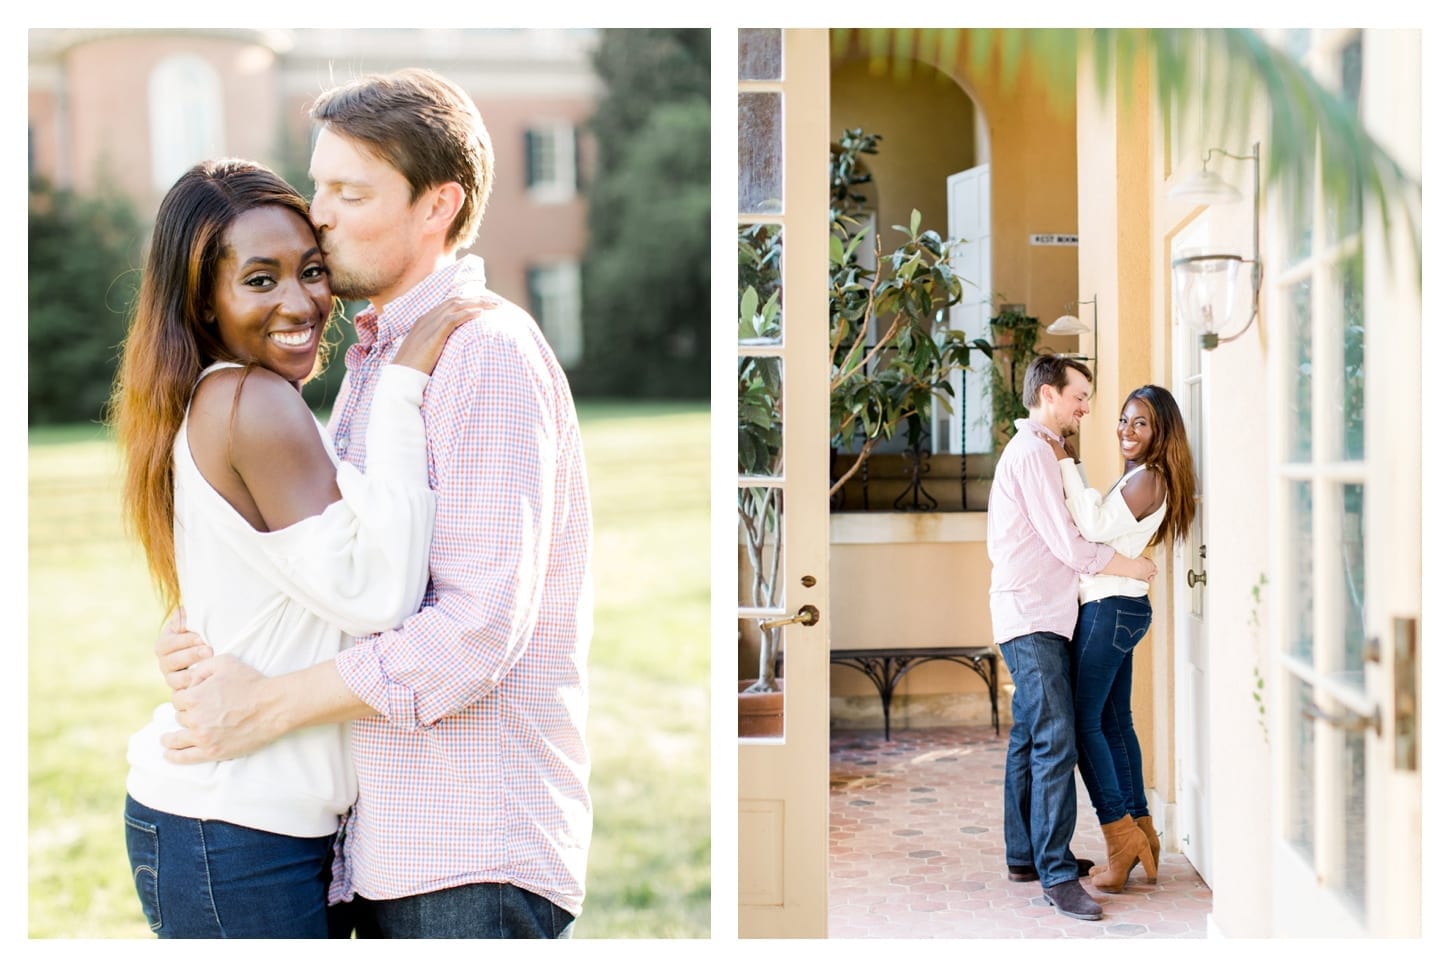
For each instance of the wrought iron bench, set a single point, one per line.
(887, 666)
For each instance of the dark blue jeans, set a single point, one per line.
(1040, 795)
(474, 910)
(206, 878)
(1109, 756)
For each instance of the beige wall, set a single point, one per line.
(926, 122)
(922, 582)
(1033, 151)
(1115, 192)
(1128, 228)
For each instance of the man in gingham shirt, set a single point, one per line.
(473, 816)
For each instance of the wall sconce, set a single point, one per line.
(1070, 325)
(1204, 285)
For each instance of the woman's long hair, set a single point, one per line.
(171, 340)
(1169, 455)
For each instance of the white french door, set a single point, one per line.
(784, 812)
(1346, 395)
(1190, 829)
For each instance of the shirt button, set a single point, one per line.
(342, 442)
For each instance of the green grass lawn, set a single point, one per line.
(94, 617)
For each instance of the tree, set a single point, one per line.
(646, 279)
(84, 254)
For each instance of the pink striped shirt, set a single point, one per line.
(1035, 548)
(475, 770)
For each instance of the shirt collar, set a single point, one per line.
(398, 316)
(1028, 424)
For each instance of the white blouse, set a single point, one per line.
(1108, 520)
(290, 599)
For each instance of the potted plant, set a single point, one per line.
(1014, 339)
(758, 442)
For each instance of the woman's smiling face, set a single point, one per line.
(271, 297)
(1135, 430)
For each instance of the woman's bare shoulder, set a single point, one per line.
(253, 406)
(1144, 492)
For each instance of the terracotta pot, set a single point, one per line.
(762, 714)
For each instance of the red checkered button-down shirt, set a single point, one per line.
(475, 770)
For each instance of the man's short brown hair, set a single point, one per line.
(424, 126)
(1051, 371)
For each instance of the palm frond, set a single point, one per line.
(1218, 75)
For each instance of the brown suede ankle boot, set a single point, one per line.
(1145, 823)
(1125, 841)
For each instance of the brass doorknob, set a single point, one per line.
(808, 615)
(1196, 578)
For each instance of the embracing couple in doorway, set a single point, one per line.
(1069, 601)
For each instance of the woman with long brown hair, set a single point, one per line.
(1152, 503)
(278, 553)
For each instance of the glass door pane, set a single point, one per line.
(1322, 537)
(762, 159)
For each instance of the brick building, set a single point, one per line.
(130, 110)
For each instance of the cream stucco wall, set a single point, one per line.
(1115, 189)
(1127, 231)
(1128, 225)
(921, 580)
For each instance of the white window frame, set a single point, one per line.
(559, 312)
(187, 111)
(553, 175)
(1326, 472)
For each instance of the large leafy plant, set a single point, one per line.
(889, 386)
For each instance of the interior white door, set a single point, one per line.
(1189, 829)
(966, 427)
(784, 779)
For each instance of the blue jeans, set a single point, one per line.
(474, 910)
(1109, 757)
(206, 878)
(1040, 794)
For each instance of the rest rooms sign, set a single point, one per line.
(1052, 239)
